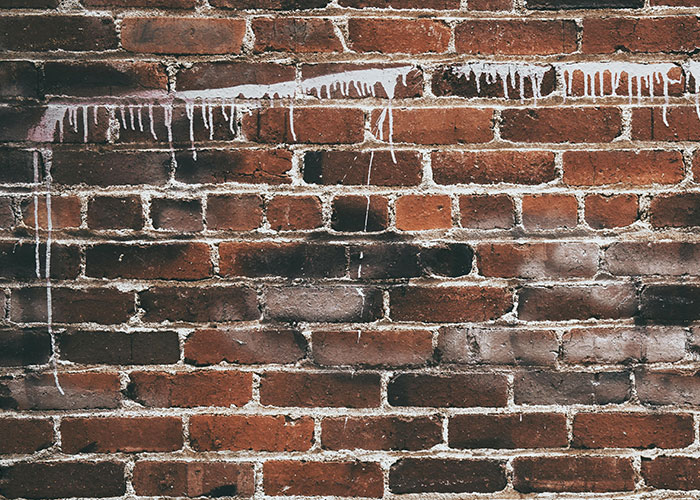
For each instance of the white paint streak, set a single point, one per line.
(693, 68)
(514, 73)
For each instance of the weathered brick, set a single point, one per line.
(381, 433)
(206, 347)
(435, 125)
(449, 304)
(524, 430)
(311, 126)
(372, 347)
(637, 168)
(193, 479)
(182, 215)
(350, 212)
(18, 79)
(423, 212)
(17, 165)
(537, 260)
(26, 346)
(608, 212)
(408, 36)
(672, 473)
(293, 213)
(95, 305)
(61, 32)
(606, 35)
(454, 81)
(203, 305)
(120, 348)
(39, 391)
(515, 36)
(224, 74)
(183, 261)
(182, 35)
(411, 86)
(576, 474)
(18, 261)
(675, 210)
(427, 475)
(653, 258)
(560, 303)
(668, 388)
(120, 434)
(486, 211)
(248, 166)
(566, 388)
(165, 4)
(251, 432)
(332, 304)
(64, 212)
(648, 124)
(674, 304)
(401, 260)
(623, 345)
(401, 4)
(118, 78)
(25, 435)
(109, 168)
(559, 125)
(583, 4)
(350, 168)
(493, 167)
(345, 479)
(507, 346)
(451, 391)
(632, 430)
(112, 212)
(62, 480)
(349, 390)
(234, 212)
(295, 34)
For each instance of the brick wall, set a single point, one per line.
(365, 248)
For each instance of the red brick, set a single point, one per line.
(575, 474)
(193, 479)
(188, 390)
(19, 79)
(348, 390)
(295, 34)
(118, 78)
(648, 124)
(350, 168)
(62, 32)
(350, 212)
(112, 212)
(636, 168)
(120, 434)
(7, 216)
(514, 37)
(664, 258)
(94, 305)
(24, 346)
(672, 473)
(62, 479)
(290, 260)
(65, 212)
(182, 35)
(251, 432)
(524, 430)
(271, 4)
(452, 80)
(401, 4)
(183, 261)
(120, 348)
(549, 211)
(25, 435)
(607, 212)
(585, 125)
(668, 388)
(165, 4)
(493, 167)
(206, 347)
(203, 305)
(182, 215)
(582, 86)
(293, 213)
(569, 388)
(560, 303)
(449, 304)
(486, 212)
(504, 346)
(311, 125)
(109, 168)
(223, 74)
(492, 5)
(381, 433)
(632, 430)
(538, 260)
(373, 347)
(347, 479)
(408, 36)
(241, 212)
(675, 210)
(427, 475)
(81, 390)
(450, 391)
(423, 212)
(436, 125)
(247, 166)
(645, 34)
(412, 86)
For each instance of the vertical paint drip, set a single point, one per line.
(516, 74)
(85, 123)
(150, 122)
(37, 185)
(693, 68)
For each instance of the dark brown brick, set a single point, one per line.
(427, 475)
(524, 430)
(381, 433)
(207, 347)
(120, 348)
(193, 479)
(565, 388)
(200, 305)
(452, 391)
(359, 390)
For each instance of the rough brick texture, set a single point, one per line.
(339, 249)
